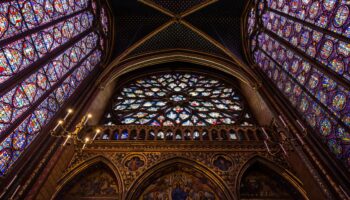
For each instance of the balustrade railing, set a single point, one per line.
(181, 133)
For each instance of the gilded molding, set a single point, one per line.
(155, 153)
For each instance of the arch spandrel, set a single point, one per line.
(284, 174)
(181, 166)
(77, 171)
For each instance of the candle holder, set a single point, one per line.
(270, 142)
(61, 130)
(280, 133)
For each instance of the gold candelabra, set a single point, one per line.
(61, 130)
(284, 139)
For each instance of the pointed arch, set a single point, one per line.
(177, 163)
(72, 174)
(116, 68)
(285, 174)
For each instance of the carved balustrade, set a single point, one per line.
(181, 133)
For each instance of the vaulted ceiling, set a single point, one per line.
(204, 26)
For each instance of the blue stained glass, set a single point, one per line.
(321, 100)
(74, 62)
(35, 13)
(41, 117)
(18, 55)
(171, 100)
(36, 85)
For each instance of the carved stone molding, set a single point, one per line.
(150, 154)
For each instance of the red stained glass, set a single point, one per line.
(293, 54)
(57, 52)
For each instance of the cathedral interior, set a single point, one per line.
(175, 99)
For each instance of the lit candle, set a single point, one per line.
(70, 111)
(282, 120)
(300, 139)
(301, 125)
(86, 141)
(66, 140)
(97, 132)
(267, 146)
(87, 119)
(265, 133)
(60, 122)
(282, 147)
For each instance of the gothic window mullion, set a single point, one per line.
(20, 76)
(304, 89)
(42, 98)
(39, 59)
(306, 55)
(189, 101)
(312, 26)
(30, 33)
(39, 28)
(345, 83)
(46, 54)
(37, 53)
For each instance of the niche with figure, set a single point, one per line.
(96, 182)
(260, 182)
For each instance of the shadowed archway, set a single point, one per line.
(94, 178)
(179, 178)
(261, 179)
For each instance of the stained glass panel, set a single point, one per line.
(24, 15)
(333, 53)
(37, 84)
(18, 55)
(19, 139)
(179, 99)
(48, 48)
(301, 39)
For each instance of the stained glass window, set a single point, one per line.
(47, 49)
(304, 48)
(178, 99)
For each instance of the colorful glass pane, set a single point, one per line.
(18, 139)
(50, 47)
(20, 16)
(37, 84)
(294, 55)
(310, 41)
(179, 99)
(22, 53)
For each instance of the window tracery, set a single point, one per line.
(47, 49)
(178, 99)
(303, 46)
